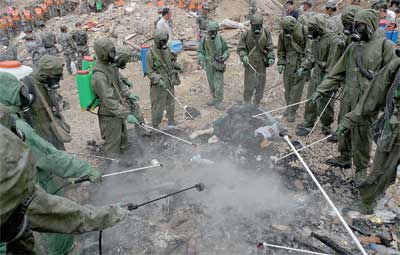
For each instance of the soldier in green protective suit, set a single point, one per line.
(22, 202)
(326, 49)
(291, 52)
(47, 119)
(255, 51)
(356, 68)
(382, 94)
(347, 18)
(307, 12)
(131, 100)
(162, 70)
(213, 51)
(112, 112)
(202, 21)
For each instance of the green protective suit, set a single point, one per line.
(161, 65)
(213, 53)
(291, 52)
(259, 51)
(112, 112)
(48, 66)
(46, 213)
(69, 49)
(325, 52)
(380, 95)
(375, 54)
(347, 16)
(305, 17)
(124, 56)
(202, 22)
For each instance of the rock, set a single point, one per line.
(213, 139)
(283, 228)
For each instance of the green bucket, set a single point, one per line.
(99, 5)
(88, 62)
(87, 99)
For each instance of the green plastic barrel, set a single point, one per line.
(87, 62)
(87, 99)
(99, 5)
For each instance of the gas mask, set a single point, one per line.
(163, 44)
(112, 55)
(312, 33)
(360, 32)
(53, 82)
(256, 28)
(212, 34)
(347, 29)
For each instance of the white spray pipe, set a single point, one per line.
(280, 108)
(165, 133)
(270, 90)
(180, 104)
(290, 249)
(320, 116)
(305, 147)
(344, 223)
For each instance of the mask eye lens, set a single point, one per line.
(360, 27)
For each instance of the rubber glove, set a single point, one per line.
(281, 68)
(271, 61)
(316, 96)
(133, 98)
(162, 84)
(132, 119)
(301, 72)
(342, 129)
(128, 83)
(94, 175)
(245, 60)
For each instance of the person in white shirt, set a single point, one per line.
(164, 22)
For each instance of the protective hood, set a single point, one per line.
(288, 23)
(17, 175)
(256, 19)
(369, 17)
(48, 66)
(212, 26)
(349, 13)
(160, 35)
(123, 55)
(318, 22)
(102, 48)
(9, 90)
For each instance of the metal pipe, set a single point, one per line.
(305, 147)
(320, 116)
(255, 71)
(165, 133)
(344, 223)
(180, 104)
(280, 108)
(94, 156)
(289, 249)
(270, 90)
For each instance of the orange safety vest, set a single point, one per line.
(60, 2)
(39, 12)
(27, 15)
(49, 2)
(192, 5)
(15, 15)
(3, 24)
(181, 4)
(119, 3)
(10, 21)
(44, 8)
(161, 3)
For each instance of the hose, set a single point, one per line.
(359, 63)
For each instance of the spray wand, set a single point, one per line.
(146, 127)
(130, 206)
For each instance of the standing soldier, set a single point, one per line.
(81, 39)
(212, 53)
(12, 31)
(112, 112)
(382, 95)
(16, 16)
(356, 68)
(4, 28)
(333, 20)
(256, 53)
(162, 70)
(39, 15)
(49, 42)
(327, 47)
(252, 8)
(8, 51)
(51, 7)
(34, 47)
(28, 17)
(291, 52)
(45, 9)
(68, 47)
(202, 21)
(307, 12)
(61, 7)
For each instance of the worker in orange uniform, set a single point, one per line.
(119, 3)
(45, 9)
(16, 17)
(51, 7)
(39, 15)
(192, 5)
(28, 17)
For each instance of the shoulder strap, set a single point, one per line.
(383, 51)
(46, 106)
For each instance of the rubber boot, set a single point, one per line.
(172, 124)
(326, 130)
(333, 138)
(291, 117)
(219, 106)
(211, 102)
(342, 161)
(302, 131)
(360, 177)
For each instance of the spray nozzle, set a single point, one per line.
(155, 162)
(200, 186)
